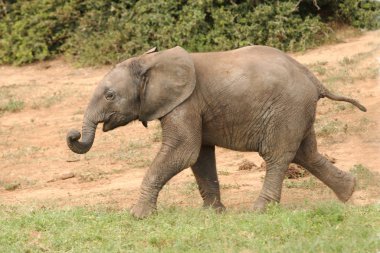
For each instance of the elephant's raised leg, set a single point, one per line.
(205, 173)
(342, 183)
(181, 142)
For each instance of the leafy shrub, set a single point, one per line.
(197, 26)
(102, 32)
(35, 30)
(360, 14)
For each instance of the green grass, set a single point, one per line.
(330, 128)
(135, 153)
(48, 101)
(223, 173)
(189, 188)
(348, 71)
(21, 152)
(13, 105)
(328, 227)
(364, 176)
(318, 67)
(347, 61)
(10, 186)
(157, 134)
(16, 184)
(230, 186)
(310, 183)
(90, 175)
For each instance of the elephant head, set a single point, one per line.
(145, 88)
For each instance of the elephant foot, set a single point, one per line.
(142, 210)
(217, 206)
(261, 204)
(347, 189)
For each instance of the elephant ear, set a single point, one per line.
(168, 79)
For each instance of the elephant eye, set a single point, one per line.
(110, 95)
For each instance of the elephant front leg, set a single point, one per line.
(181, 143)
(152, 184)
(168, 163)
(207, 179)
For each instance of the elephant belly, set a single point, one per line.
(239, 137)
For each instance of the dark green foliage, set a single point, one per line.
(196, 26)
(360, 14)
(35, 30)
(103, 32)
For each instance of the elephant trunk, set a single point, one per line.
(88, 136)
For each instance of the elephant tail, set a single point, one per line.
(323, 91)
(328, 94)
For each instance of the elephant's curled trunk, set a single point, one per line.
(88, 136)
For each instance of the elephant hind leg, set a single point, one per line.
(207, 179)
(274, 177)
(342, 183)
(278, 150)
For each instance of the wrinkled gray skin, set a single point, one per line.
(250, 99)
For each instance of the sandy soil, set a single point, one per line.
(34, 158)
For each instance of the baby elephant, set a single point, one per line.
(254, 98)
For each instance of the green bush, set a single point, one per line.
(103, 32)
(112, 31)
(360, 14)
(196, 26)
(35, 30)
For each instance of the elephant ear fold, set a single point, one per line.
(168, 79)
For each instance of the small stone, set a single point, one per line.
(62, 177)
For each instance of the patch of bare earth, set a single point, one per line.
(36, 166)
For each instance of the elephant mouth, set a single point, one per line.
(115, 120)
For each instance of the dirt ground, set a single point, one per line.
(37, 168)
